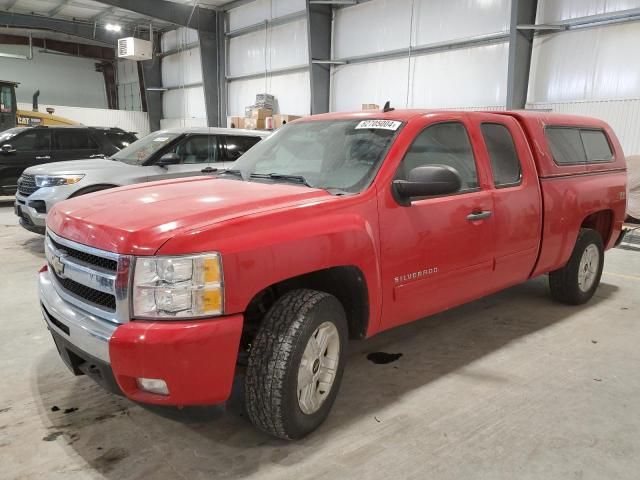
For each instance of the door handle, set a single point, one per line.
(44, 157)
(209, 170)
(475, 216)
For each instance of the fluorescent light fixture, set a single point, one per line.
(112, 27)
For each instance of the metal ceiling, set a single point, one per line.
(89, 11)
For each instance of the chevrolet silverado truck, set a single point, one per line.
(336, 227)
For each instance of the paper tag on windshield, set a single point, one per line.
(161, 139)
(383, 124)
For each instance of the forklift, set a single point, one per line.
(11, 117)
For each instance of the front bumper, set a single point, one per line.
(196, 359)
(29, 217)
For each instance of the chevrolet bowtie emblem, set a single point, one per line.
(58, 266)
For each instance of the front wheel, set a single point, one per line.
(296, 364)
(578, 280)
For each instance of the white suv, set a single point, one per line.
(161, 155)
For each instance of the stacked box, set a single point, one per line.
(255, 123)
(282, 119)
(235, 122)
(265, 100)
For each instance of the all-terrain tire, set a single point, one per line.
(564, 283)
(271, 383)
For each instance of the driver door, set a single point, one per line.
(197, 154)
(437, 252)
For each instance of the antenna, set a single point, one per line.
(387, 107)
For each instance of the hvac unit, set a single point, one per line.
(134, 49)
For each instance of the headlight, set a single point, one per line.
(178, 287)
(57, 180)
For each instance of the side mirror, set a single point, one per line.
(6, 148)
(427, 181)
(168, 159)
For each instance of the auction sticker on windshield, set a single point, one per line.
(383, 124)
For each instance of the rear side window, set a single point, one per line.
(572, 146)
(596, 146)
(502, 153)
(238, 146)
(442, 144)
(74, 140)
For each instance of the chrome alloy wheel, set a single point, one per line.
(318, 367)
(588, 269)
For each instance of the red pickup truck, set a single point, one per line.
(337, 227)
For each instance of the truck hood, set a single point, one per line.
(74, 166)
(139, 219)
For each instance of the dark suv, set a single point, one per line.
(24, 147)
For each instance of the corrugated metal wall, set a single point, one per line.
(100, 117)
(466, 77)
(265, 51)
(591, 71)
(183, 104)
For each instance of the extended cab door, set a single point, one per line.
(516, 196)
(437, 252)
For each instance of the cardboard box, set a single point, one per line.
(261, 113)
(265, 100)
(247, 111)
(254, 123)
(370, 106)
(235, 122)
(282, 119)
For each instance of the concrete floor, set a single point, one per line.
(513, 386)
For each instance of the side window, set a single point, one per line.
(442, 144)
(574, 145)
(596, 146)
(74, 139)
(238, 146)
(198, 149)
(566, 145)
(502, 153)
(34, 139)
(6, 100)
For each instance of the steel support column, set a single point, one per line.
(523, 12)
(319, 35)
(212, 63)
(152, 78)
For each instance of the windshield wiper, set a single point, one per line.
(282, 176)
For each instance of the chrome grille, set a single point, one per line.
(95, 280)
(27, 184)
(106, 263)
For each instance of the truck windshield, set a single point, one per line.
(332, 155)
(140, 151)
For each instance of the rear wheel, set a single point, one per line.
(577, 281)
(296, 364)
